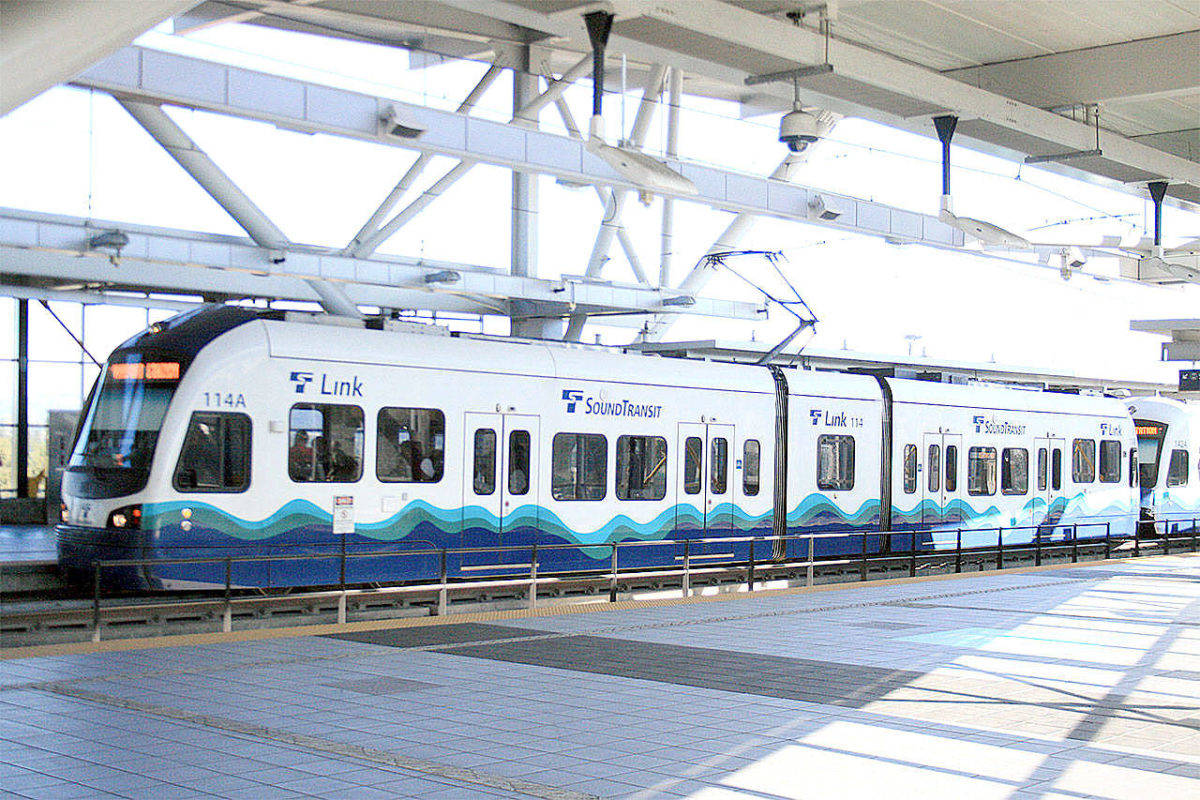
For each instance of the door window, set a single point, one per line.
(935, 468)
(1042, 469)
(518, 462)
(485, 461)
(951, 468)
(910, 468)
(693, 455)
(719, 466)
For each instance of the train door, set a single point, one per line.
(1048, 483)
(705, 481)
(933, 505)
(500, 490)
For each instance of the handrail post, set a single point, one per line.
(1137, 544)
(1193, 535)
(1037, 547)
(442, 591)
(227, 616)
(1167, 539)
(812, 538)
(912, 554)
(1107, 540)
(750, 572)
(863, 566)
(958, 550)
(342, 565)
(533, 565)
(1075, 543)
(612, 578)
(999, 548)
(687, 567)
(96, 604)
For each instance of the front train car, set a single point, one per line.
(121, 466)
(1170, 494)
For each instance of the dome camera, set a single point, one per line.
(798, 129)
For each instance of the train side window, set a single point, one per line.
(1056, 469)
(935, 467)
(1177, 469)
(835, 462)
(751, 467)
(215, 455)
(518, 462)
(1043, 464)
(1083, 460)
(484, 479)
(1110, 461)
(981, 470)
(1014, 471)
(410, 445)
(1133, 466)
(718, 462)
(951, 468)
(910, 468)
(326, 443)
(579, 466)
(693, 455)
(641, 468)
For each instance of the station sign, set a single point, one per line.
(1189, 380)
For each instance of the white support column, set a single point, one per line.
(229, 196)
(368, 246)
(419, 165)
(667, 252)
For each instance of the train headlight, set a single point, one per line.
(126, 518)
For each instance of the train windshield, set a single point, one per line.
(1150, 437)
(122, 424)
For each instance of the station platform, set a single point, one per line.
(19, 543)
(1065, 682)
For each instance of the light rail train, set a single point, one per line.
(229, 431)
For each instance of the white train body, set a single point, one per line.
(1168, 456)
(275, 436)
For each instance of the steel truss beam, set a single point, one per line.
(315, 108)
(50, 250)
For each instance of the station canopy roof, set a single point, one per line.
(1025, 78)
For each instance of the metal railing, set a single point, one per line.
(693, 562)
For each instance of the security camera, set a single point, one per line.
(396, 122)
(799, 128)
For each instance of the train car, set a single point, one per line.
(235, 433)
(1167, 447)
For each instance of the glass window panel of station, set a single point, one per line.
(8, 392)
(49, 340)
(579, 466)
(641, 468)
(835, 462)
(8, 328)
(411, 445)
(8, 460)
(1110, 461)
(1178, 469)
(53, 386)
(1014, 470)
(325, 443)
(39, 441)
(981, 471)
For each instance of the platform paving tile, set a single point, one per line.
(1058, 682)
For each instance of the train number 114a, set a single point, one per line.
(226, 400)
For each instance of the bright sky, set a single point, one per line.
(72, 152)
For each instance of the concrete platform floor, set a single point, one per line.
(1061, 683)
(28, 543)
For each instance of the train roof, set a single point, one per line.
(1003, 397)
